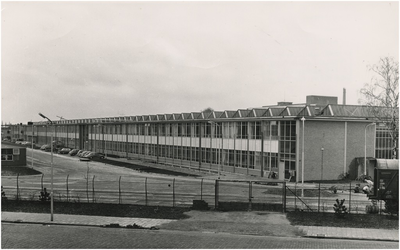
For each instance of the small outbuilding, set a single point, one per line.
(386, 180)
(13, 156)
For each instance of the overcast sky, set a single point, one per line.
(103, 59)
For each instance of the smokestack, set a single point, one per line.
(344, 96)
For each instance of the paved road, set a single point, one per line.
(105, 181)
(67, 237)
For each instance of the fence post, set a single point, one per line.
(295, 196)
(67, 189)
(319, 194)
(41, 181)
(119, 190)
(216, 193)
(201, 190)
(250, 194)
(17, 187)
(87, 187)
(145, 189)
(173, 193)
(350, 197)
(93, 188)
(284, 197)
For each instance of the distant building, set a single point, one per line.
(5, 132)
(322, 100)
(321, 135)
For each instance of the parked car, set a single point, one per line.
(79, 153)
(83, 156)
(28, 144)
(91, 156)
(73, 152)
(47, 148)
(64, 151)
(95, 155)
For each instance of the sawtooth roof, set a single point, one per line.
(335, 111)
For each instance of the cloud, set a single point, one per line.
(96, 59)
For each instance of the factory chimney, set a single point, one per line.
(344, 96)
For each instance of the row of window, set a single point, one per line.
(237, 158)
(384, 146)
(241, 130)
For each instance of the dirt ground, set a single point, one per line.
(251, 223)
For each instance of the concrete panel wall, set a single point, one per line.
(342, 142)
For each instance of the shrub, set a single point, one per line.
(372, 209)
(3, 194)
(357, 188)
(391, 204)
(333, 189)
(363, 178)
(44, 195)
(340, 209)
(344, 176)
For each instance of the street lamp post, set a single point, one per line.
(31, 123)
(322, 174)
(365, 147)
(220, 148)
(32, 147)
(302, 160)
(51, 165)
(322, 163)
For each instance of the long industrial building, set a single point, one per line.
(319, 139)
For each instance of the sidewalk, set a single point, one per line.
(84, 220)
(350, 233)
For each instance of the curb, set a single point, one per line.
(75, 224)
(347, 238)
(47, 223)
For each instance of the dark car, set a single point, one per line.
(45, 147)
(94, 155)
(73, 152)
(91, 156)
(64, 151)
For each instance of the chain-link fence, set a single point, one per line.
(141, 191)
(322, 197)
(218, 194)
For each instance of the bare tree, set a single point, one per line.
(382, 97)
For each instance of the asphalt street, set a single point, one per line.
(106, 181)
(34, 236)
